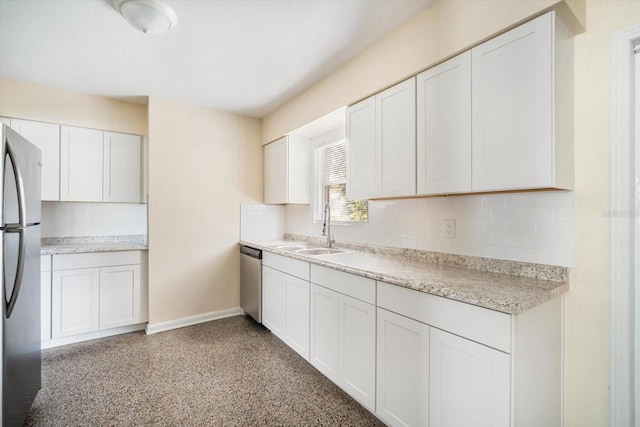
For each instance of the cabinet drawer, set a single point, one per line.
(290, 266)
(349, 284)
(97, 259)
(45, 263)
(478, 324)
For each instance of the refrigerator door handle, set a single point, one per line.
(11, 302)
(22, 214)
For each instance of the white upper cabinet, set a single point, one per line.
(97, 166)
(46, 137)
(81, 164)
(361, 151)
(287, 173)
(381, 138)
(444, 127)
(522, 114)
(122, 171)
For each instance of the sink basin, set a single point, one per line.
(293, 248)
(320, 251)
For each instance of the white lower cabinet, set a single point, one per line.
(45, 297)
(323, 349)
(119, 296)
(470, 383)
(75, 302)
(402, 370)
(95, 291)
(285, 301)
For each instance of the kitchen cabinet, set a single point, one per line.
(75, 302)
(122, 168)
(120, 302)
(45, 136)
(402, 370)
(99, 166)
(390, 117)
(287, 171)
(45, 297)
(444, 127)
(81, 154)
(285, 300)
(323, 349)
(470, 383)
(343, 331)
(96, 291)
(357, 349)
(522, 123)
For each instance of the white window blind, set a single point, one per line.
(331, 162)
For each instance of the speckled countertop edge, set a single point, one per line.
(500, 291)
(74, 245)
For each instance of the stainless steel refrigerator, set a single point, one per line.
(20, 230)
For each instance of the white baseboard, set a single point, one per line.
(56, 342)
(192, 320)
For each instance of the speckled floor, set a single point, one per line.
(230, 372)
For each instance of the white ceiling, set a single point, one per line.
(242, 56)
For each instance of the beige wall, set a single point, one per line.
(587, 304)
(442, 30)
(34, 102)
(202, 165)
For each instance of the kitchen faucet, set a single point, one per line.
(326, 226)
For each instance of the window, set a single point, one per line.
(331, 183)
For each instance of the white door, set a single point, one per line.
(275, 172)
(636, 326)
(323, 349)
(119, 296)
(396, 140)
(513, 108)
(296, 314)
(469, 383)
(45, 305)
(402, 370)
(361, 149)
(357, 349)
(46, 137)
(121, 162)
(444, 127)
(75, 303)
(81, 152)
(273, 301)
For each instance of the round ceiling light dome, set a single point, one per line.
(148, 16)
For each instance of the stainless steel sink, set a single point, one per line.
(320, 251)
(293, 248)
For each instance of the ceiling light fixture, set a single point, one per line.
(148, 16)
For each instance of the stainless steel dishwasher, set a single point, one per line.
(251, 282)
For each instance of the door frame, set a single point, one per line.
(622, 217)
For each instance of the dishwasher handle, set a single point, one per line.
(252, 252)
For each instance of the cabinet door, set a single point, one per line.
(323, 351)
(121, 162)
(46, 137)
(357, 349)
(81, 152)
(75, 302)
(513, 108)
(395, 153)
(275, 172)
(119, 296)
(402, 370)
(444, 127)
(361, 149)
(470, 383)
(45, 305)
(273, 301)
(296, 314)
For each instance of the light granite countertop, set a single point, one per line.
(482, 282)
(75, 245)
